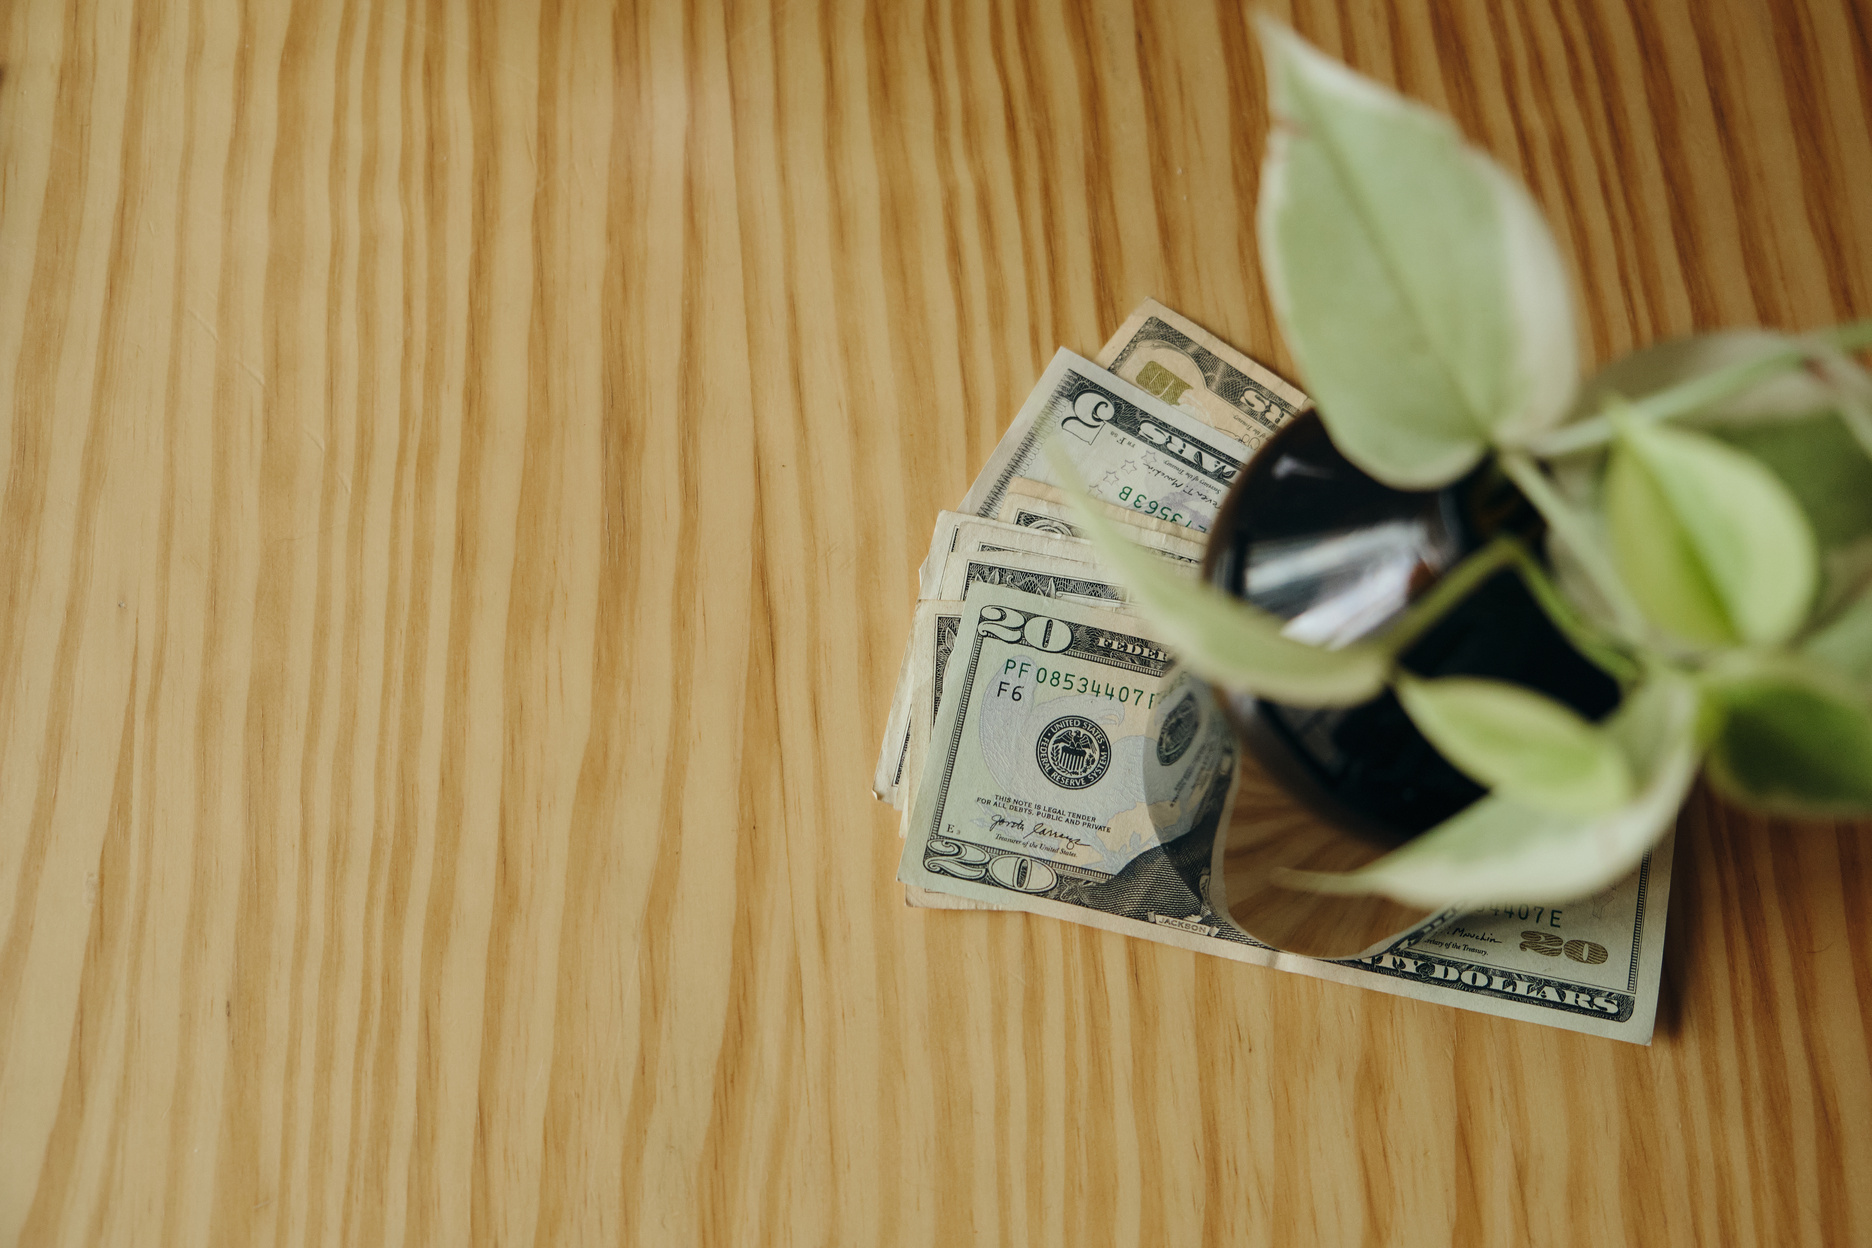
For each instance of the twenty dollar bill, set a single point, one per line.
(1072, 772)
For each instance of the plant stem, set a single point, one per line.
(1694, 393)
(1466, 577)
(1451, 588)
(1586, 639)
(1571, 528)
(1697, 392)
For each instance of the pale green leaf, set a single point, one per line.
(1656, 560)
(1519, 743)
(1544, 371)
(1711, 545)
(1416, 282)
(1501, 850)
(1799, 423)
(1579, 546)
(1228, 641)
(1788, 743)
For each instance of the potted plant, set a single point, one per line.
(1694, 523)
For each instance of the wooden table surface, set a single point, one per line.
(463, 470)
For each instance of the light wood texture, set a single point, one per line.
(463, 470)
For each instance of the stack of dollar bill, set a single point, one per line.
(1047, 754)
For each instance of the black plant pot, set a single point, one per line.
(1306, 535)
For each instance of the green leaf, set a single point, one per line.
(1228, 641)
(1711, 545)
(1579, 547)
(1789, 744)
(1416, 282)
(1845, 643)
(1656, 559)
(1766, 363)
(1822, 465)
(1725, 380)
(1504, 850)
(1520, 744)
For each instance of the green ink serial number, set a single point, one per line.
(1137, 501)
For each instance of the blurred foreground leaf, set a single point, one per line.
(1520, 744)
(1504, 850)
(1711, 545)
(1845, 643)
(1788, 743)
(1416, 282)
(1228, 641)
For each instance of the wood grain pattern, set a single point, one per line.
(463, 470)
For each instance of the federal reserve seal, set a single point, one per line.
(1073, 752)
(1179, 729)
(1045, 524)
